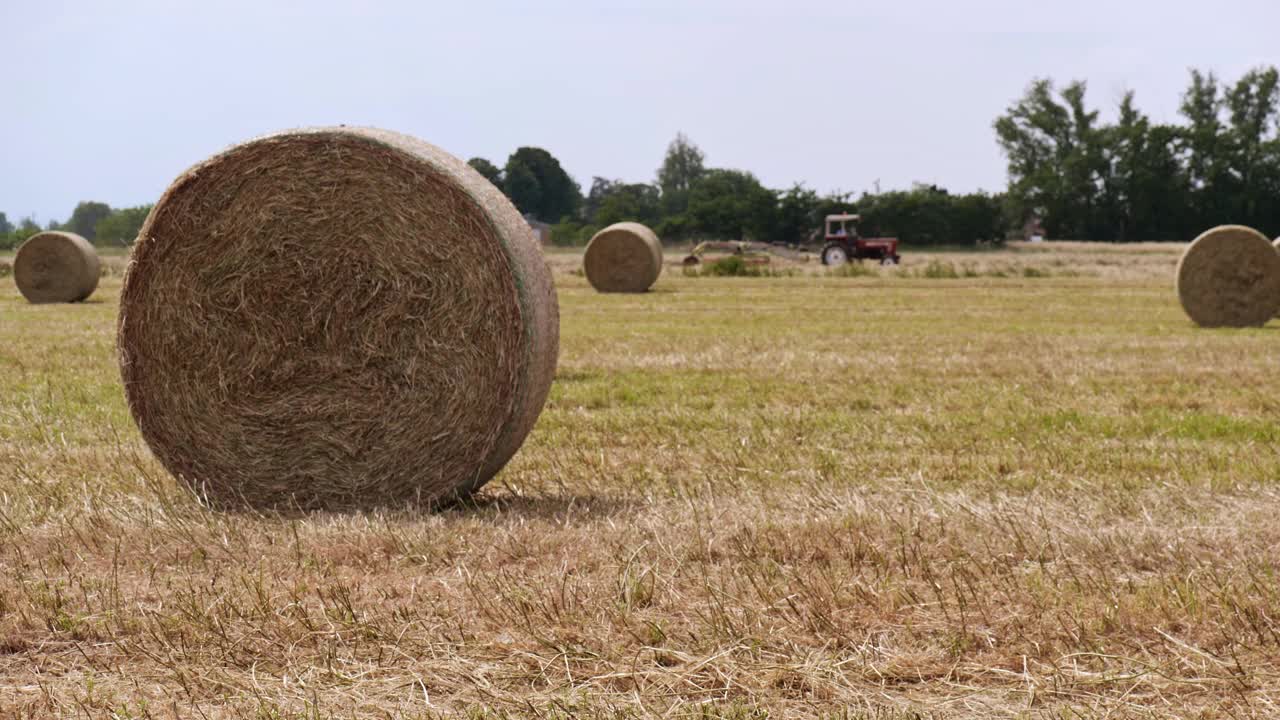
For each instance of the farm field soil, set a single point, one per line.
(1039, 495)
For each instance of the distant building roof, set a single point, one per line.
(535, 222)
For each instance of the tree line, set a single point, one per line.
(97, 222)
(687, 201)
(1071, 175)
(1136, 179)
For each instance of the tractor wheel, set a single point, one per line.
(834, 255)
(889, 260)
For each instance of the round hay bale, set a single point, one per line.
(624, 257)
(56, 267)
(1276, 244)
(1230, 277)
(336, 318)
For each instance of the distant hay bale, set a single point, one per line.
(336, 318)
(1230, 277)
(1276, 244)
(625, 257)
(56, 267)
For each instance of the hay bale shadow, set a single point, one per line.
(485, 506)
(556, 507)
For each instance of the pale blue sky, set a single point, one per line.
(111, 100)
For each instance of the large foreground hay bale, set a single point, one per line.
(336, 318)
(1230, 276)
(56, 267)
(624, 257)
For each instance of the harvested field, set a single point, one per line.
(1133, 261)
(1020, 496)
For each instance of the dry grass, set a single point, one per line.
(1128, 262)
(878, 497)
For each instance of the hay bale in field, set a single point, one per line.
(336, 318)
(1230, 276)
(1276, 244)
(624, 257)
(56, 267)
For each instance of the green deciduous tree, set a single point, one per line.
(537, 184)
(1138, 180)
(929, 215)
(611, 201)
(801, 213)
(1251, 108)
(121, 226)
(797, 214)
(84, 219)
(1057, 159)
(732, 205)
(18, 235)
(1031, 134)
(976, 217)
(681, 168)
(1205, 146)
(1147, 187)
(600, 188)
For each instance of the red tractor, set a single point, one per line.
(843, 244)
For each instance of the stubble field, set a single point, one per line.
(1007, 493)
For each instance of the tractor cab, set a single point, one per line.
(842, 226)
(843, 243)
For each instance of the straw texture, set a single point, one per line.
(336, 318)
(56, 267)
(1230, 277)
(624, 257)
